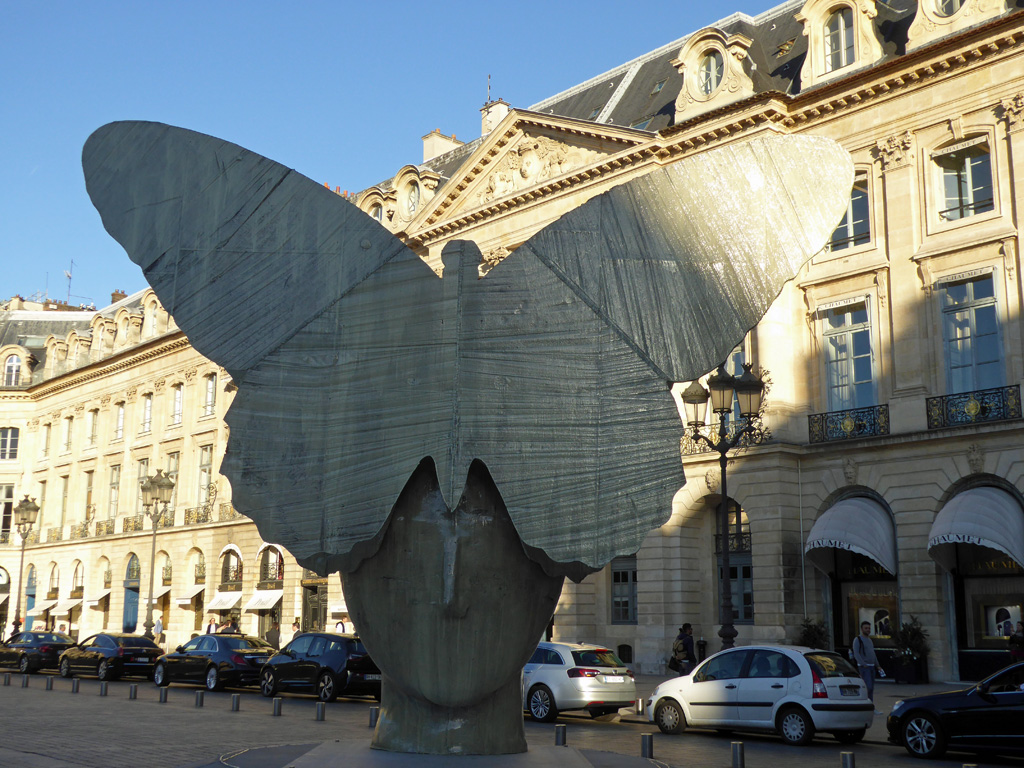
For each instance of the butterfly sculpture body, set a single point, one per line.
(373, 393)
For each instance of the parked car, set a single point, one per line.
(986, 717)
(34, 650)
(790, 690)
(214, 661)
(110, 655)
(562, 676)
(324, 663)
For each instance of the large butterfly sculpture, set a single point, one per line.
(354, 360)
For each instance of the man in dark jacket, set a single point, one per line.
(682, 649)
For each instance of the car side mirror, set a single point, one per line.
(180, 649)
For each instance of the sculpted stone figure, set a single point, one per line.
(457, 446)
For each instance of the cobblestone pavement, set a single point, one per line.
(49, 729)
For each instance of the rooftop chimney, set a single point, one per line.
(493, 112)
(116, 295)
(436, 143)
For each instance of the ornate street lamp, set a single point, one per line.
(748, 389)
(25, 517)
(156, 490)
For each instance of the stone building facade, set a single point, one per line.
(891, 486)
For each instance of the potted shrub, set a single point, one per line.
(813, 634)
(911, 658)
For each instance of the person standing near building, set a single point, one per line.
(295, 630)
(864, 656)
(682, 650)
(274, 636)
(158, 630)
(211, 626)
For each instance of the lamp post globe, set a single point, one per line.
(156, 494)
(25, 515)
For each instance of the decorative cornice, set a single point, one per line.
(1013, 112)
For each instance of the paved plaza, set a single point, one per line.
(51, 728)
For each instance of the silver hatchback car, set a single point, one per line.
(561, 676)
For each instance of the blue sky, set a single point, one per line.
(340, 91)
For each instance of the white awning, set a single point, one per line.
(3, 598)
(263, 599)
(41, 607)
(986, 517)
(159, 592)
(65, 606)
(858, 525)
(92, 602)
(223, 601)
(190, 594)
(337, 608)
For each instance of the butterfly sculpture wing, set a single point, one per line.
(354, 360)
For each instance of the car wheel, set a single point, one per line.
(268, 683)
(23, 666)
(542, 704)
(213, 682)
(795, 726)
(326, 687)
(669, 717)
(850, 737)
(65, 668)
(160, 675)
(103, 670)
(922, 736)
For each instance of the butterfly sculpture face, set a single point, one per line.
(370, 390)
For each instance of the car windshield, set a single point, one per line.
(46, 637)
(136, 642)
(245, 643)
(600, 657)
(830, 664)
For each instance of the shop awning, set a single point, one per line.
(987, 517)
(190, 594)
(263, 599)
(223, 601)
(65, 606)
(41, 607)
(858, 525)
(337, 608)
(92, 602)
(159, 592)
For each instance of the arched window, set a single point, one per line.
(377, 212)
(12, 371)
(740, 575)
(271, 565)
(77, 580)
(709, 76)
(133, 571)
(54, 580)
(947, 8)
(167, 570)
(839, 40)
(200, 570)
(231, 568)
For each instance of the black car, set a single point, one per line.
(33, 650)
(986, 717)
(214, 661)
(110, 655)
(323, 663)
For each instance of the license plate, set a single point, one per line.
(614, 679)
(849, 690)
(371, 677)
(141, 659)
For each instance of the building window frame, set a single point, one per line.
(840, 47)
(67, 434)
(113, 491)
(965, 180)
(177, 403)
(119, 421)
(146, 422)
(970, 322)
(847, 337)
(623, 604)
(9, 437)
(854, 230)
(92, 418)
(12, 371)
(210, 395)
(710, 71)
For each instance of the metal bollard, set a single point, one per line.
(103, 688)
(374, 714)
(846, 759)
(647, 745)
(321, 711)
(640, 706)
(200, 698)
(236, 702)
(7, 678)
(277, 706)
(163, 695)
(560, 735)
(24, 681)
(133, 691)
(74, 685)
(49, 683)
(737, 754)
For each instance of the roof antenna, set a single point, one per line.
(488, 89)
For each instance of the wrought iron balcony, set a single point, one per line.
(33, 537)
(77, 592)
(689, 447)
(134, 570)
(166, 573)
(849, 424)
(53, 594)
(231, 579)
(166, 519)
(132, 524)
(200, 573)
(80, 531)
(737, 542)
(104, 527)
(227, 512)
(272, 571)
(5, 537)
(998, 404)
(197, 515)
(54, 534)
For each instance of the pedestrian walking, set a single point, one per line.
(158, 630)
(274, 636)
(211, 626)
(295, 630)
(683, 656)
(867, 662)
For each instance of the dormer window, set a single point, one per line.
(377, 212)
(709, 76)
(947, 8)
(412, 198)
(839, 51)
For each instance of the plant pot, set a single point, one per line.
(912, 671)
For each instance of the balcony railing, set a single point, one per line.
(107, 577)
(166, 573)
(77, 593)
(998, 404)
(200, 573)
(80, 531)
(53, 594)
(227, 512)
(104, 527)
(5, 537)
(132, 524)
(166, 519)
(849, 424)
(197, 515)
(33, 537)
(689, 447)
(272, 571)
(737, 542)
(54, 534)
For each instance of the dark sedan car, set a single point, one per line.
(110, 655)
(986, 717)
(323, 663)
(214, 661)
(33, 650)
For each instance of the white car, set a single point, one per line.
(562, 676)
(790, 690)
